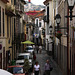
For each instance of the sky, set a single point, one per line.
(37, 2)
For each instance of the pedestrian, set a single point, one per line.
(40, 49)
(37, 48)
(47, 68)
(34, 56)
(34, 47)
(36, 68)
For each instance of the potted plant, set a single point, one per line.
(58, 34)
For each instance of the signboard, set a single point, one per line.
(35, 35)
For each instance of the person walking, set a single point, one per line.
(37, 48)
(34, 56)
(40, 49)
(36, 68)
(34, 47)
(47, 68)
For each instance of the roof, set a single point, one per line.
(29, 46)
(19, 61)
(5, 1)
(46, 2)
(15, 66)
(32, 12)
(40, 14)
(24, 54)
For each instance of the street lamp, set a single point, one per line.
(70, 6)
(58, 19)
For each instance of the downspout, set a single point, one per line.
(67, 42)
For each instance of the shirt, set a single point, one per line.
(33, 46)
(36, 67)
(40, 47)
(47, 66)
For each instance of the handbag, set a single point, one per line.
(51, 68)
(44, 73)
(32, 74)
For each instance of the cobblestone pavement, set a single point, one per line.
(41, 58)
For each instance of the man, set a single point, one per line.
(47, 68)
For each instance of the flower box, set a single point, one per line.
(58, 34)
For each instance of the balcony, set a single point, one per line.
(5, 1)
(46, 19)
(23, 1)
(9, 10)
(19, 7)
(18, 13)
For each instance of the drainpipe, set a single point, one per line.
(67, 42)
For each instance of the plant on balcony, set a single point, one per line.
(10, 8)
(58, 34)
(73, 28)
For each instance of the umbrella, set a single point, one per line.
(4, 72)
(27, 42)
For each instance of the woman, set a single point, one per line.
(36, 68)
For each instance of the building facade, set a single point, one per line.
(48, 19)
(7, 12)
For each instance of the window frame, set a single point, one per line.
(0, 20)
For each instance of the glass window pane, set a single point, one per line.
(0, 21)
(3, 21)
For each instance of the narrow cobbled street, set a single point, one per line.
(41, 58)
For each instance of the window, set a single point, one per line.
(3, 21)
(14, 29)
(7, 26)
(11, 1)
(10, 26)
(27, 30)
(20, 57)
(39, 24)
(0, 21)
(14, 2)
(18, 70)
(48, 13)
